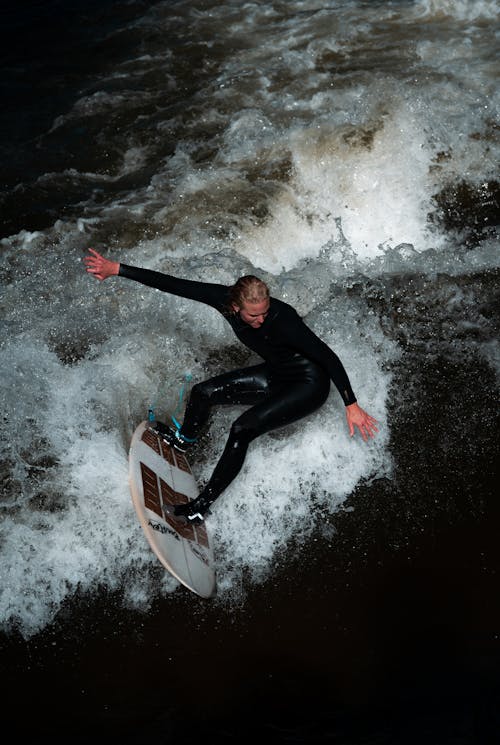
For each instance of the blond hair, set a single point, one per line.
(247, 289)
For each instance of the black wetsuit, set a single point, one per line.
(293, 380)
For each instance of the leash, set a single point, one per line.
(187, 379)
(182, 391)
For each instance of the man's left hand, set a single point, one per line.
(356, 417)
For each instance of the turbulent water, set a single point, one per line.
(346, 152)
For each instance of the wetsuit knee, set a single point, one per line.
(199, 391)
(244, 430)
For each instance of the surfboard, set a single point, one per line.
(161, 475)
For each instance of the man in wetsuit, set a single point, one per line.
(292, 382)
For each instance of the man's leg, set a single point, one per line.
(247, 385)
(281, 406)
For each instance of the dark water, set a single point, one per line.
(381, 626)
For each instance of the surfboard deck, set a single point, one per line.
(161, 475)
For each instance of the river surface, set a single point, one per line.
(346, 152)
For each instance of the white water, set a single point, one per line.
(356, 148)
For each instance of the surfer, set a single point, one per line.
(292, 382)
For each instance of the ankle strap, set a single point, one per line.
(178, 432)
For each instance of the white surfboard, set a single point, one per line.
(160, 475)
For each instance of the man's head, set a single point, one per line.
(249, 297)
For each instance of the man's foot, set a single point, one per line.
(187, 513)
(171, 437)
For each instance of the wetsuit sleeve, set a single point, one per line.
(305, 341)
(204, 292)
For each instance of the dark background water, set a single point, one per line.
(50, 51)
(389, 633)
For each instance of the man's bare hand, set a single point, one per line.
(356, 417)
(100, 267)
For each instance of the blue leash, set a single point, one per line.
(187, 379)
(151, 412)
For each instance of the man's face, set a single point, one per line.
(253, 313)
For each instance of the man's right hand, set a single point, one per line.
(100, 267)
